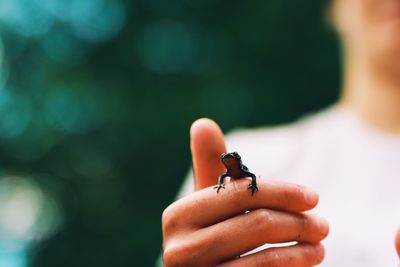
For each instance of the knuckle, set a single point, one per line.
(263, 217)
(292, 193)
(168, 257)
(169, 218)
(301, 227)
(287, 194)
(180, 254)
(298, 191)
(172, 257)
(302, 223)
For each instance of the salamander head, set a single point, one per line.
(231, 159)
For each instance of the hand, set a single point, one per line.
(208, 229)
(397, 242)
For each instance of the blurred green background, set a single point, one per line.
(97, 96)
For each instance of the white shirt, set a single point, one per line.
(355, 169)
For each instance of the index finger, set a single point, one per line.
(207, 207)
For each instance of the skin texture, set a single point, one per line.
(203, 229)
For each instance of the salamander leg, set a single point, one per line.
(253, 184)
(220, 182)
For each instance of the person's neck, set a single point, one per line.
(373, 95)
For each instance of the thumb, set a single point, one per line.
(398, 242)
(207, 144)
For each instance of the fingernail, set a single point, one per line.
(310, 196)
(323, 225)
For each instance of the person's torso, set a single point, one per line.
(355, 170)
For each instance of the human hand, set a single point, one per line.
(397, 243)
(208, 229)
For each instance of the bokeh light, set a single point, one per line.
(25, 17)
(92, 20)
(96, 20)
(27, 214)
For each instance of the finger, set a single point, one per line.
(245, 232)
(207, 207)
(398, 242)
(301, 255)
(207, 144)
